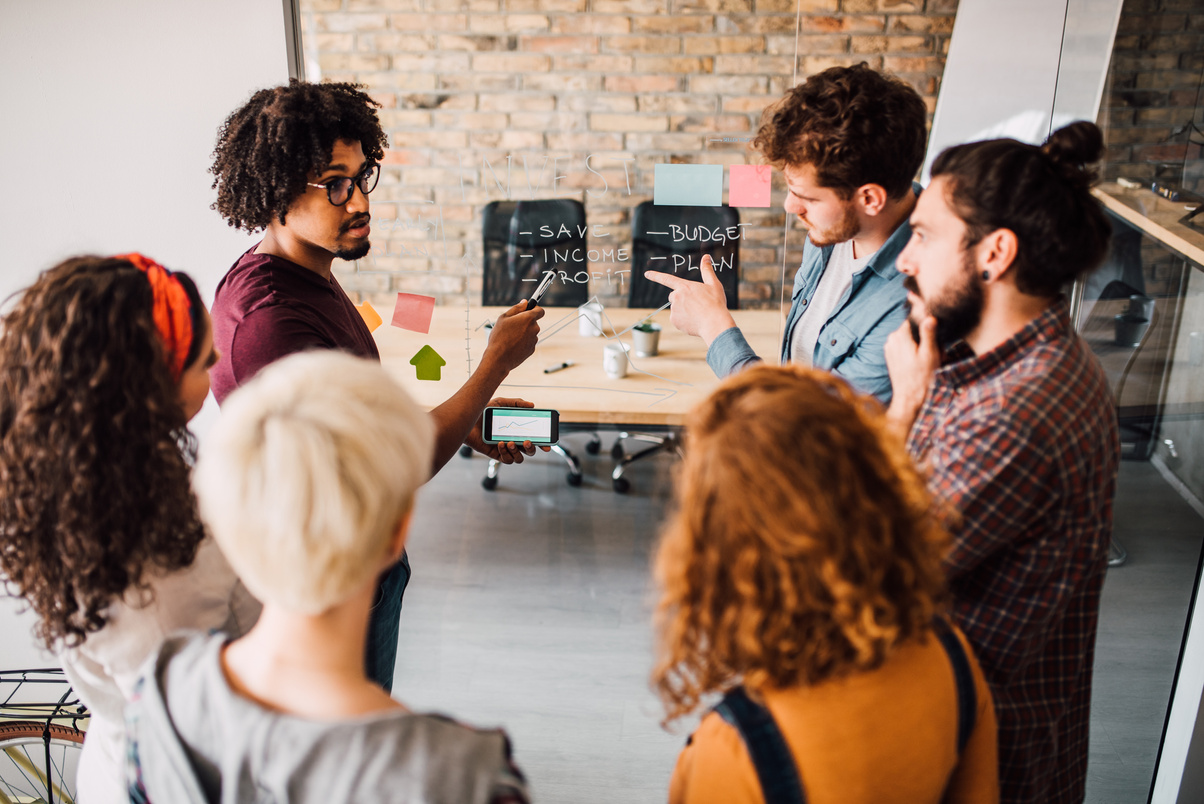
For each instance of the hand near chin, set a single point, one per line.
(911, 364)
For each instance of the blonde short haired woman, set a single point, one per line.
(307, 483)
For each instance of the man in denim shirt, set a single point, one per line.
(849, 141)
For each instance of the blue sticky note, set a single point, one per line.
(688, 185)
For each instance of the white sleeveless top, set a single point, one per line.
(205, 595)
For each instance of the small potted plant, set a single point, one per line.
(647, 336)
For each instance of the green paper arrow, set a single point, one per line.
(428, 363)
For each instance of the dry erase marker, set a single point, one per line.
(542, 289)
(558, 367)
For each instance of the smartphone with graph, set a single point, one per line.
(521, 424)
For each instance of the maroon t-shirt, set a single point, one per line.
(267, 307)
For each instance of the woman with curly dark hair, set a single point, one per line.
(102, 363)
(801, 577)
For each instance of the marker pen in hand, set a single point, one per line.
(540, 290)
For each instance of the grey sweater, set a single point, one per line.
(193, 740)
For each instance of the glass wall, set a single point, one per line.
(586, 141)
(1141, 314)
(592, 139)
(535, 138)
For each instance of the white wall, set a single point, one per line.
(1086, 54)
(1000, 75)
(1009, 66)
(110, 111)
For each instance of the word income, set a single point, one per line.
(577, 255)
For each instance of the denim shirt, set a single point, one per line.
(851, 342)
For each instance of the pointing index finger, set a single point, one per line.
(668, 280)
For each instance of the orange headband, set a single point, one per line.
(172, 314)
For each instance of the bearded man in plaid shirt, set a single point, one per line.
(1010, 414)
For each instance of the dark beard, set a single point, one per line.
(957, 317)
(357, 253)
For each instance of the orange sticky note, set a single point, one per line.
(749, 186)
(371, 317)
(413, 312)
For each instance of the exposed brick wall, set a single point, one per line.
(1153, 89)
(630, 83)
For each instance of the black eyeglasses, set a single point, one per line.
(338, 191)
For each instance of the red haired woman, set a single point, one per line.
(102, 363)
(801, 579)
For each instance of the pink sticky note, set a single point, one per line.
(414, 312)
(749, 186)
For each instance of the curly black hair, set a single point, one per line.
(94, 447)
(267, 150)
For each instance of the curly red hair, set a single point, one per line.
(805, 545)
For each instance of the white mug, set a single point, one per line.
(614, 360)
(590, 322)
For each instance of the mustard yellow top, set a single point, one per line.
(881, 737)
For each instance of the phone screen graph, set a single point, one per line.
(522, 425)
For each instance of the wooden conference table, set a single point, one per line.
(657, 391)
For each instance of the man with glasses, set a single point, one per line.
(298, 162)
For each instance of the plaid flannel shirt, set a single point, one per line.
(1022, 443)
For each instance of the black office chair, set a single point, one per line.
(673, 240)
(522, 240)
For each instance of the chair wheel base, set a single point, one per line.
(465, 452)
(593, 447)
(616, 451)
(489, 483)
(573, 479)
(621, 485)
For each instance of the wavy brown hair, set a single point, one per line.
(804, 546)
(854, 125)
(94, 451)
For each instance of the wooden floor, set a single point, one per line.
(530, 608)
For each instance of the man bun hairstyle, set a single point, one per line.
(854, 125)
(1074, 151)
(1042, 194)
(267, 150)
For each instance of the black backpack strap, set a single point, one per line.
(967, 696)
(776, 769)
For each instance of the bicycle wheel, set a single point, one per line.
(26, 775)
